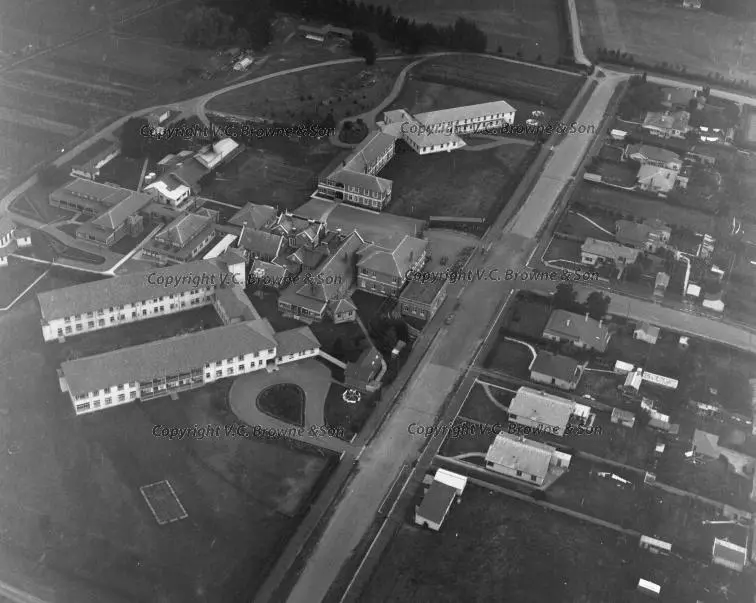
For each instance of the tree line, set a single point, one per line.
(249, 24)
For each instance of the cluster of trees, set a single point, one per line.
(408, 35)
(641, 97)
(385, 332)
(363, 47)
(565, 298)
(245, 24)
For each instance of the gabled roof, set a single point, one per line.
(261, 269)
(190, 171)
(395, 262)
(165, 357)
(437, 502)
(119, 213)
(662, 280)
(727, 552)
(553, 365)
(706, 444)
(342, 305)
(316, 209)
(102, 193)
(296, 340)
(649, 330)
(575, 327)
(256, 216)
(519, 454)
(667, 121)
(125, 289)
(653, 153)
(633, 233)
(336, 275)
(236, 304)
(261, 242)
(464, 112)
(610, 250)
(369, 150)
(360, 180)
(183, 229)
(541, 407)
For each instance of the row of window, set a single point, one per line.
(135, 304)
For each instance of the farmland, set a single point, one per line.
(492, 546)
(76, 505)
(533, 27)
(654, 31)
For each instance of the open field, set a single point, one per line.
(577, 226)
(640, 206)
(527, 316)
(277, 172)
(653, 32)
(475, 184)
(501, 78)
(533, 26)
(76, 505)
(346, 90)
(17, 276)
(493, 547)
(479, 407)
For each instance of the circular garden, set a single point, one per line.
(283, 401)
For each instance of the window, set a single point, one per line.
(241, 367)
(133, 315)
(241, 358)
(121, 397)
(208, 375)
(120, 388)
(108, 401)
(519, 474)
(60, 332)
(78, 327)
(230, 370)
(68, 329)
(533, 478)
(82, 407)
(132, 395)
(68, 319)
(144, 312)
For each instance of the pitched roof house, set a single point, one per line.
(183, 239)
(656, 179)
(383, 271)
(256, 216)
(648, 155)
(561, 371)
(261, 245)
(116, 222)
(358, 374)
(667, 125)
(581, 331)
(541, 411)
(594, 252)
(642, 236)
(526, 460)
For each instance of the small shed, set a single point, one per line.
(623, 417)
(655, 545)
(436, 503)
(649, 588)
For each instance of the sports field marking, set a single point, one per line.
(163, 502)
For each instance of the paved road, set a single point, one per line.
(444, 366)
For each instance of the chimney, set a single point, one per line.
(568, 322)
(586, 317)
(241, 234)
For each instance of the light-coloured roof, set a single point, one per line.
(610, 250)
(169, 187)
(519, 454)
(465, 112)
(97, 191)
(706, 443)
(165, 357)
(541, 407)
(728, 552)
(649, 330)
(667, 121)
(128, 288)
(662, 280)
(658, 176)
(296, 341)
(213, 154)
(653, 153)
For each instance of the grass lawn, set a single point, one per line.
(265, 301)
(69, 229)
(462, 183)
(621, 174)
(534, 27)
(656, 31)
(510, 357)
(466, 437)
(577, 226)
(75, 504)
(345, 418)
(347, 90)
(636, 206)
(504, 79)
(347, 335)
(17, 276)
(272, 171)
(34, 204)
(527, 316)
(564, 250)
(478, 405)
(418, 96)
(493, 547)
(284, 401)
(640, 507)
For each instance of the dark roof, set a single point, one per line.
(296, 340)
(366, 366)
(119, 213)
(165, 357)
(183, 229)
(575, 327)
(236, 304)
(437, 502)
(128, 288)
(256, 216)
(553, 365)
(190, 172)
(261, 242)
(394, 261)
(336, 275)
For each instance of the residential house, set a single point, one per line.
(91, 167)
(560, 371)
(326, 292)
(383, 271)
(644, 236)
(646, 332)
(594, 253)
(257, 217)
(131, 297)
(730, 547)
(183, 239)
(181, 363)
(668, 124)
(582, 332)
(422, 299)
(114, 223)
(358, 375)
(320, 34)
(436, 503)
(540, 411)
(526, 460)
(648, 155)
(660, 284)
(261, 245)
(713, 301)
(222, 151)
(298, 232)
(654, 179)
(11, 239)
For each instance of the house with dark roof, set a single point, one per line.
(383, 271)
(560, 371)
(298, 232)
(183, 239)
(359, 374)
(422, 299)
(115, 222)
(254, 216)
(261, 245)
(325, 292)
(233, 305)
(540, 411)
(648, 155)
(269, 274)
(445, 487)
(581, 331)
(526, 460)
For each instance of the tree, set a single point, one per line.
(207, 27)
(338, 349)
(565, 297)
(597, 305)
(133, 139)
(363, 46)
(633, 273)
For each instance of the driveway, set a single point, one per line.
(313, 377)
